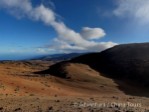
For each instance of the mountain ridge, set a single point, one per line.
(127, 61)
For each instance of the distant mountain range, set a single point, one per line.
(58, 57)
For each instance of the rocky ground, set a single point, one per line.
(24, 90)
(73, 104)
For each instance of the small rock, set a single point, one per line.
(17, 109)
(1, 108)
(57, 100)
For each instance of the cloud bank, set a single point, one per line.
(134, 9)
(67, 40)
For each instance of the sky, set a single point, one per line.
(31, 28)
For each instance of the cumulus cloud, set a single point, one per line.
(92, 33)
(67, 39)
(135, 9)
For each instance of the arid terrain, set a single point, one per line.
(23, 88)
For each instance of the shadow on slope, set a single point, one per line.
(127, 65)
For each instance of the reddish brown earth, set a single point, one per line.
(23, 89)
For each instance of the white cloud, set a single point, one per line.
(43, 14)
(41, 50)
(92, 33)
(67, 39)
(25, 5)
(135, 9)
(18, 8)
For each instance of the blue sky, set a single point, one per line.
(31, 27)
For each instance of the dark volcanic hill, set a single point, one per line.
(128, 62)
